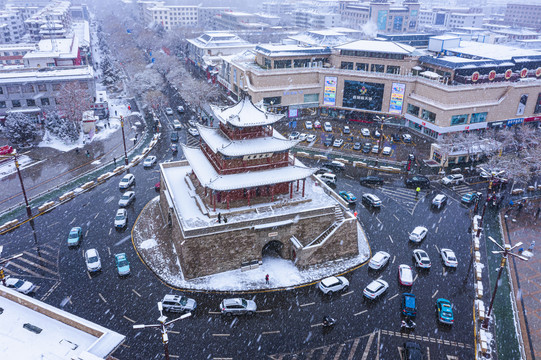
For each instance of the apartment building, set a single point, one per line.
(206, 16)
(523, 15)
(315, 19)
(237, 20)
(54, 52)
(54, 20)
(451, 17)
(11, 27)
(12, 54)
(172, 16)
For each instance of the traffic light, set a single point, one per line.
(129, 107)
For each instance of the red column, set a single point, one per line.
(272, 192)
(303, 184)
(291, 190)
(214, 201)
(248, 197)
(297, 185)
(227, 200)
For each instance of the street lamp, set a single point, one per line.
(381, 119)
(124, 139)
(3, 261)
(163, 323)
(505, 251)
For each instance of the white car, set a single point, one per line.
(317, 124)
(449, 258)
(405, 275)
(126, 199)
(311, 138)
(192, 123)
(169, 111)
(453, 179)
(180, 109)
(177, 125)
(387, 150)
(491, 173)
(365, 132)
(193, 131)
(375, 149)
(127, 181)
(375, 289)
(379, 260)
(22, 286)
(327, 126)
(418, 234)
(406, 138)
(439, 200)
(347, 130)
(149, 161)
(294, 135)
(421, 259)
(338, 143)
(333, 284)
(308, 125)
(121, 218)
(303, 136)
(92, 260)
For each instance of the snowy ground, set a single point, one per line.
(282, 273)
(8, 167)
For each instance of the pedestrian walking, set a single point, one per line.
(114, 160)
(225, 220)
(531, 246)
(77, 150)
(219, 218)
(267, 279)
(116, 113)
(87, 154)
(417, 191)
(355, 214)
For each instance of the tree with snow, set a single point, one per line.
(73, 100)
(62, 128)
(20, 129)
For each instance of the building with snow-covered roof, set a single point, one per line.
(51, 21)
(32, 329)
(316, 19)
(324, 38)
(54, 52)
(12, 54)
(242, 173)
(11, 27)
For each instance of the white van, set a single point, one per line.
(328, 178)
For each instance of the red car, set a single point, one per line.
(157, 186)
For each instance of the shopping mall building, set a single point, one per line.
(452, 86)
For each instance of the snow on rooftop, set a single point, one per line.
(210, 178)
(49, 74)
(492, 51)
(244, 114)
(445, 37)
(218, 142)
(57, 339)
(378, 46)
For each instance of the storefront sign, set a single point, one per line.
(523, 73)
(516, 121)
(397, 98)
(532, 119)
(522, 104)
(492, 75)
(329, 92)
(508, 74)
(273, 234)
(363, 95)
(475, 76)
(293, 112)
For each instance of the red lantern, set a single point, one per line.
(492, 75)
(538, 72)
(523, 73)
(508, 74)
(475, 76)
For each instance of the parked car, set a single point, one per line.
(395, 137)
(193, 131)
(379, 260)
(387, 150)
(317, 124)
(453, 179)
(367, 147)
(346, 130)
(371, 200)
(174, 148)
(303, 136)
(180, 109)
(92, 260)
(439, 200)
(178, 303)
(122, 264)
(328, 140)
(311, 138)
(418, 234)
(335, 165)
(405, 275)
(192, 123)
(445, 311)
(121, 218)
(375, 289)
(418, 181)
(126, 199)
(149, 161)
(357, 146)
(421, 259)
(169, 111)
(328, 178)
(488, 174)
(308, 125)
(365, 132)
(348, 196)
(406, 138)
(470, 197)
(333, 284)
(324, 170)
(338, 143)
(174, 136)
(449, 258)
(237, 306)
(375, 149)
(371, 180)
(127, 181)
(294, 135)
(177, 125)
(409, 305)
(412, 351)
(75, 236)
(22, 286)
(327, 126)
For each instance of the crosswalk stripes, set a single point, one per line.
(406, 197)
(36, 262)
(462, 189)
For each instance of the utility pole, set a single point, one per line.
(124, 140)
(28, 209)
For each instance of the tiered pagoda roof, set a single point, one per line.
(245, 114)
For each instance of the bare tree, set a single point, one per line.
(156, 99)
(73, 100)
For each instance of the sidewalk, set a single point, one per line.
(523, 225)
(50, 167)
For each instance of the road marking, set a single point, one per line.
(86, 233)
(11, 263)
(390, 238)
(41, 259)
(348, 293)
(173, 332)
(354, 348)
(378, 220)
(90, 277)
(270, 332)
(72, 221)
(339, 352)
(394, 258)
(314, 325)
(44, 297)
(416, 276)
(437, 248)
(53, 224)
(37, 265)
(221, 335)
(349, 177)
(127, 318)
(109, 250)
(263, 311)
(214, 312)
(436, 231)
(428, 353)
(96, 215)
(101, 296)
(392, 297)
(360, 313)
(396, 217)
(135, 292)
(173, 356)
(368, 345)
(307, 304)
(110, 230)
(434, 295)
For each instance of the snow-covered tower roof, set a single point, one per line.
(245, 114)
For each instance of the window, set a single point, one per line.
(478, 117)
(282, 64)
(377, 68)
(274, 100)
(42, 87)
(56, 87)
(361, 66)
(16, 103)
(413, 110)
(14, 89)
(346, 65)
(428, 116)
(1, 90)
(301, 63)
(2, 104)
(30, 102)
(268, 64)
(311, 98)
(28, 88)
(459, 119)
(45, 101)
(393, 69)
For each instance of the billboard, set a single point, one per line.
(382, 20)
(329, 93)
(363, 95)
(397, 98)
(522, 104)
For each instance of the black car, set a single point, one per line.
(174, 137)
(357, 146)
(395, 137)
(328, 141)
(412, 351)
(372, 180)
(367, 147)
(418, 181)
(335, 166)
(324, 170)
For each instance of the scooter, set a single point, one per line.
(328, 321)
(407, 325)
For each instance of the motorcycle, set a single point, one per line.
(407, 325)
(328, 321)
